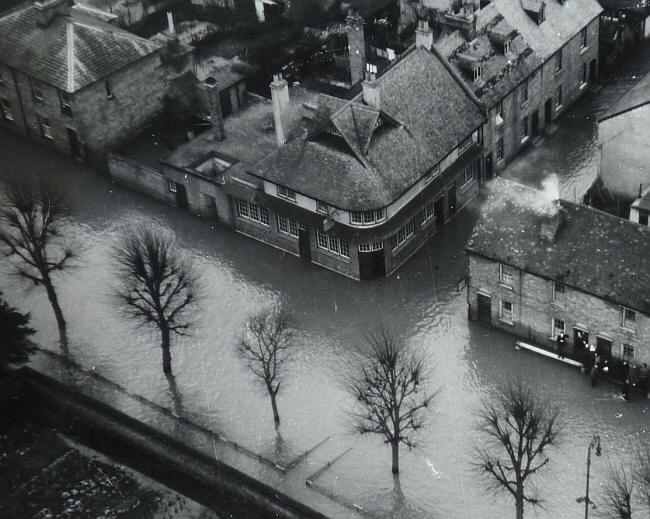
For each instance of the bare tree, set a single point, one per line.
(387, 385)
(31, 233)
(617, 494)
(15, 345)
(519, 427)
(642, 474)
(156, 286)
(266, 348)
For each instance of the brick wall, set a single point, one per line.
(534, 307)
(140, 178)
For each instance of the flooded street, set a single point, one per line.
(421, 302)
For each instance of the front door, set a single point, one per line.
(181, 196)
(73, 139)
(372, 264)
(604, 348)
(451, 198)
(535, 123)
(548, 111)
(484, 308)
(489, 167)
(593, 69)
(580, 344)
(304, 246)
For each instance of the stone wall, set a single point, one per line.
(534, 308)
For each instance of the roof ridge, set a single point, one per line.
(624, 221)
(116, 31)
(70, 55)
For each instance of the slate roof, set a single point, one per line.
(73, 51)
(636, 97)
(378, 154)
(593, 251)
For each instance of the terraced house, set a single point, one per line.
(540, 267)
(74, 82)
(526, 61)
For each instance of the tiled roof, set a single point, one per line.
(593, 251)
(73, 51)
(636, 97)
(379, 154)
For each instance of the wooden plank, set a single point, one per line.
(541, 351)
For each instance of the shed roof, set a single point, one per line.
(593, 251)
(74, 50)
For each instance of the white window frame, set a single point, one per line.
(371, 247)
(332, 244)
(427, 213)
(525, 132)
(627, 319)
(524, 91)
(506, 316)
(286, 193)
(559, 95)
(583, 76)
(322, 207)
(506, 275)
(627, 357)
(365, 218)
(468, 175)
(477, 73)
(500, 152)
(171, 185)
(556, 330)
(558, 288)
(432, 173)
(45, 126)
(403, 234)
(253, 212)
(287, 225)
(584, 35)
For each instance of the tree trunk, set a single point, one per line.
(519, 505)
(54, 301)
(274, 405)
(395, 446)
(166, 353)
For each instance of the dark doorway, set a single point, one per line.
(304, 246)
(548, 111)
(226, 103)
(181, 196)
(535, 123)
(489, 167)
(580, 344)
(73, 139)
(372, 264)
(604, 348)
(439, 210)
(451, 198)
(643, 218)
(484, 308)
(593, 70)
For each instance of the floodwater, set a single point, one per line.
(420, 302)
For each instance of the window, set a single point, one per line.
(5, 110)
(524, 91)
(286, 193)
(524, 128)
(66, 103)
(109, 89)
(322, 207)
(498, 109)
(506, 47)
(558, 290)
(500, 149)
(427, 213)
(583, 38)
(367, 217)
(466, 143)
(506, 275)
(252, 211)
(558, 61)
(557, 327)
(506, 312)
(288, 226)
(583, 75)
(468, 175)
(628, 353)
(629, 319)
(371, 247)
(558, 103)
(403, 234)
(37, 90)
(171, 185)
(333, 244)
(477, 73)
(432, 173)
(44, 124)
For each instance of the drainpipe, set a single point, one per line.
(20, 102)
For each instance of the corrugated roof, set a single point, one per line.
(593, 251)
(424, 115)
(73, 51)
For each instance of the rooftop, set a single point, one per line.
(73, 51)
(636, 97)
(348, 159)
(592, 251)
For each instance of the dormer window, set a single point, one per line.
(477, 73)
(534, 9)
(287, 193)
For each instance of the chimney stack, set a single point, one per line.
(424, 35)
(356, 46)
(552, 222)
(371, 94)
(170, 23)
(48, 9)
(280, 99)
(216, 117)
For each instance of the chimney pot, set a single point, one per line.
(424, 35)
(170, 22)
(281, 116)
(48, 9)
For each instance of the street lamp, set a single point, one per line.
(595, 442)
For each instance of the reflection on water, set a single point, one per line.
(239, 276)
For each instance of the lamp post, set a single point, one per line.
(595, 442)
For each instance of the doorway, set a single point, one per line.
(484, 308)
(580, 344)
(304, 246)
(226, 103)
(593, 70)
(535, 123)
(604, 348)
(439, 209)
(548, 111)
(181, 196)
(372, 264)
(451, 198)
(73, 139)
(489, 167)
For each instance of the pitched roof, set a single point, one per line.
(636, 97)
(369, 157)
(593, 251)
(73, 51)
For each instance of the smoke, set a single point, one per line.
(544, 201)
(551, 188)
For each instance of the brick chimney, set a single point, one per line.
(46, 10)
(170, 23)
(356, 46)
(214, 104)
(424, 35)
(371, 92)
(281, 117)
(552, 222)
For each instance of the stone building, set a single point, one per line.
(539, 267)
(526, 60)
(75, 83)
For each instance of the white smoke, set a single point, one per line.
(551, 188)
(544, 201)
